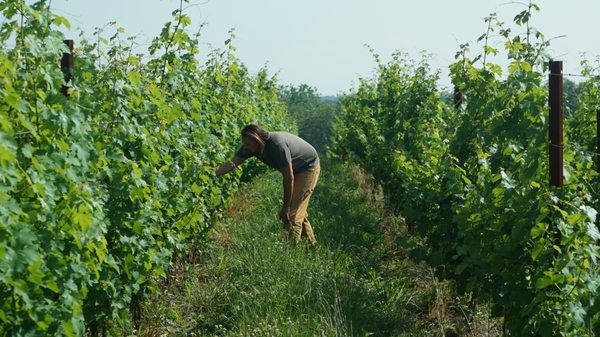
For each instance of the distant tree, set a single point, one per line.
(314, 115)
(571, 91)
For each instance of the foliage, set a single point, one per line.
(99, 190)
(472, 180)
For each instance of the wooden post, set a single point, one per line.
(598, 140)
(458, 97)
(66, 64)
(555, 98)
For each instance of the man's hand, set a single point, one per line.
(288, 188)
(228, 166)
(284, 216)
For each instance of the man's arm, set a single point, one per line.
(288, 189)
(229, 165)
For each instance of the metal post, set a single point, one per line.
(556, 100)
(66, 64)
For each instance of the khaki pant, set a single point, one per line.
(304, 184)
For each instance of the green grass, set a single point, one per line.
(249, 281)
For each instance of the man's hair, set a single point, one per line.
(257, 134)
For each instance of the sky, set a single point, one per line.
(323, 43)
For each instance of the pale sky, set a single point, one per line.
(322, 42)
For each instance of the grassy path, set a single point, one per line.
(250, 282)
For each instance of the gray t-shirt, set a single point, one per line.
(282, 148)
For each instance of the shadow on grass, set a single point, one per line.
(347, 220)
(343, 215)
